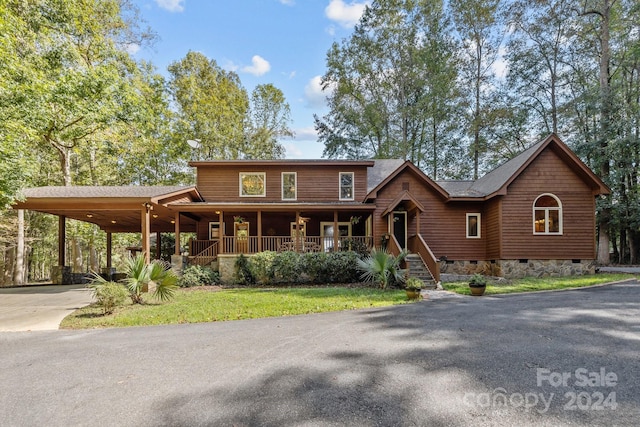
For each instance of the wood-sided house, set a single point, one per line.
(535, 214)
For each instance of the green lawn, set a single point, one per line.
(195, 305)
(530, 284)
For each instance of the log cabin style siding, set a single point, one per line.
(384, 192)
(549, 174)
(317, 181)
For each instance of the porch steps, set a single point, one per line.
(418, 270)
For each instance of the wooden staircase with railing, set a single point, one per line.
(417, 268)
(206, 252)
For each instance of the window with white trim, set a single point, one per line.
(253, 184)
(289, 186)
(473, 225)
(547, 215)
(346, 186)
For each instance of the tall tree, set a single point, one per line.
(268, 119)
(386, 83)
(212, 106)
(75, 79)
(478, 24)
(537, 54)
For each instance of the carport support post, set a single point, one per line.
(60, 274)
(62, 234)
(109, 243)
(177, 233)
(146, 232)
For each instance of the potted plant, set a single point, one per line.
(478, 284)
(412, 287)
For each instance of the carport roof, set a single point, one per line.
(112, 208)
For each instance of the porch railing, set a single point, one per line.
(203, 252)
(255, 244)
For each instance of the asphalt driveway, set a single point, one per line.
(547, 359)
(38, 308)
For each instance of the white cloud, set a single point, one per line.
(313, 93)
(331, 30)
(258, 67)
(345, 14)
(292, 151)
(171, 5)
(306, 134)
(288, 2)
(500, 65)
(132, 48)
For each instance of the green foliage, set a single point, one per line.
(413, 284)
(532, 284)
(382, 268)
(342, 267)
(197, 275)
(108, 295)
(287, 267)
(394, 87)
(316, 266)
(355, 245)
(142, 277)
(243, 271)
(206, 306)
(478, 280)
(262, 267)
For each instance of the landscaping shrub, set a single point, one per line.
(355, 245)
(197, 275)
(108, 295)
(315, 266)
(287, 267)
(342, 267)
(262, 267)
(141, 276)
(244, 274)
(382, 268)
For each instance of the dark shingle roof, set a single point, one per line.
(494, 180)
(381, 169)
(101, 191)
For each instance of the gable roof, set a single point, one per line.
(493, 183)
(496, 182)
(384, 173)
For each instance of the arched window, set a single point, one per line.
(547, 215)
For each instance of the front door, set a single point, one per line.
(399, 227)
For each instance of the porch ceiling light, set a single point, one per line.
(155, 215)
(89, 215)
(173, 221)
(113, 221)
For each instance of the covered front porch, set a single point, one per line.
(249, 229)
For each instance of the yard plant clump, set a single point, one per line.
(383, 268)
(288, 267)
(196, 275)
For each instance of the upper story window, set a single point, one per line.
(346, 186)
(289, 186)
(473, 225)
(547, 215)
(252, 184)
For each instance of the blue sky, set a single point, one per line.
(283, 42)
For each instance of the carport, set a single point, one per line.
(114, 209)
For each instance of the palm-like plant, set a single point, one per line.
(142, 276)
(383, 268)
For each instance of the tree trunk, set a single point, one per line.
(76, 255)
(18, 268)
